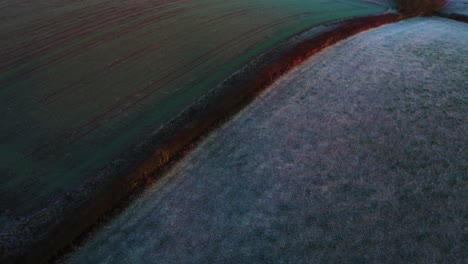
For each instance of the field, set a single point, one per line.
(457, 7)
(359, 155)
(82, 82)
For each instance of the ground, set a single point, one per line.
(456, 7)
(83, 81)
(358, 155)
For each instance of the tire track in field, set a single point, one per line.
(109, 68)
(20, 53)
(52, 97)
(68, 35)
(92, 15)
(112, 18)
(109, 37)
(75, 51)
(52, 21)
(152, 47)
(73, 135)
(91, 19)
(209, 69)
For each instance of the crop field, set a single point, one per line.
(359, 155)
(83, 81)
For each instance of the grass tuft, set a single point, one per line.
(420, 7)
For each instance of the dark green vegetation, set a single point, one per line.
(82, 82)
(359, 155)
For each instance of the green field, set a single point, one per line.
(81, 82)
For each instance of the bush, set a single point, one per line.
(420, 7)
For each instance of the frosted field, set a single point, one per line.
(83, 81)
(457, 7)
(359, 155)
